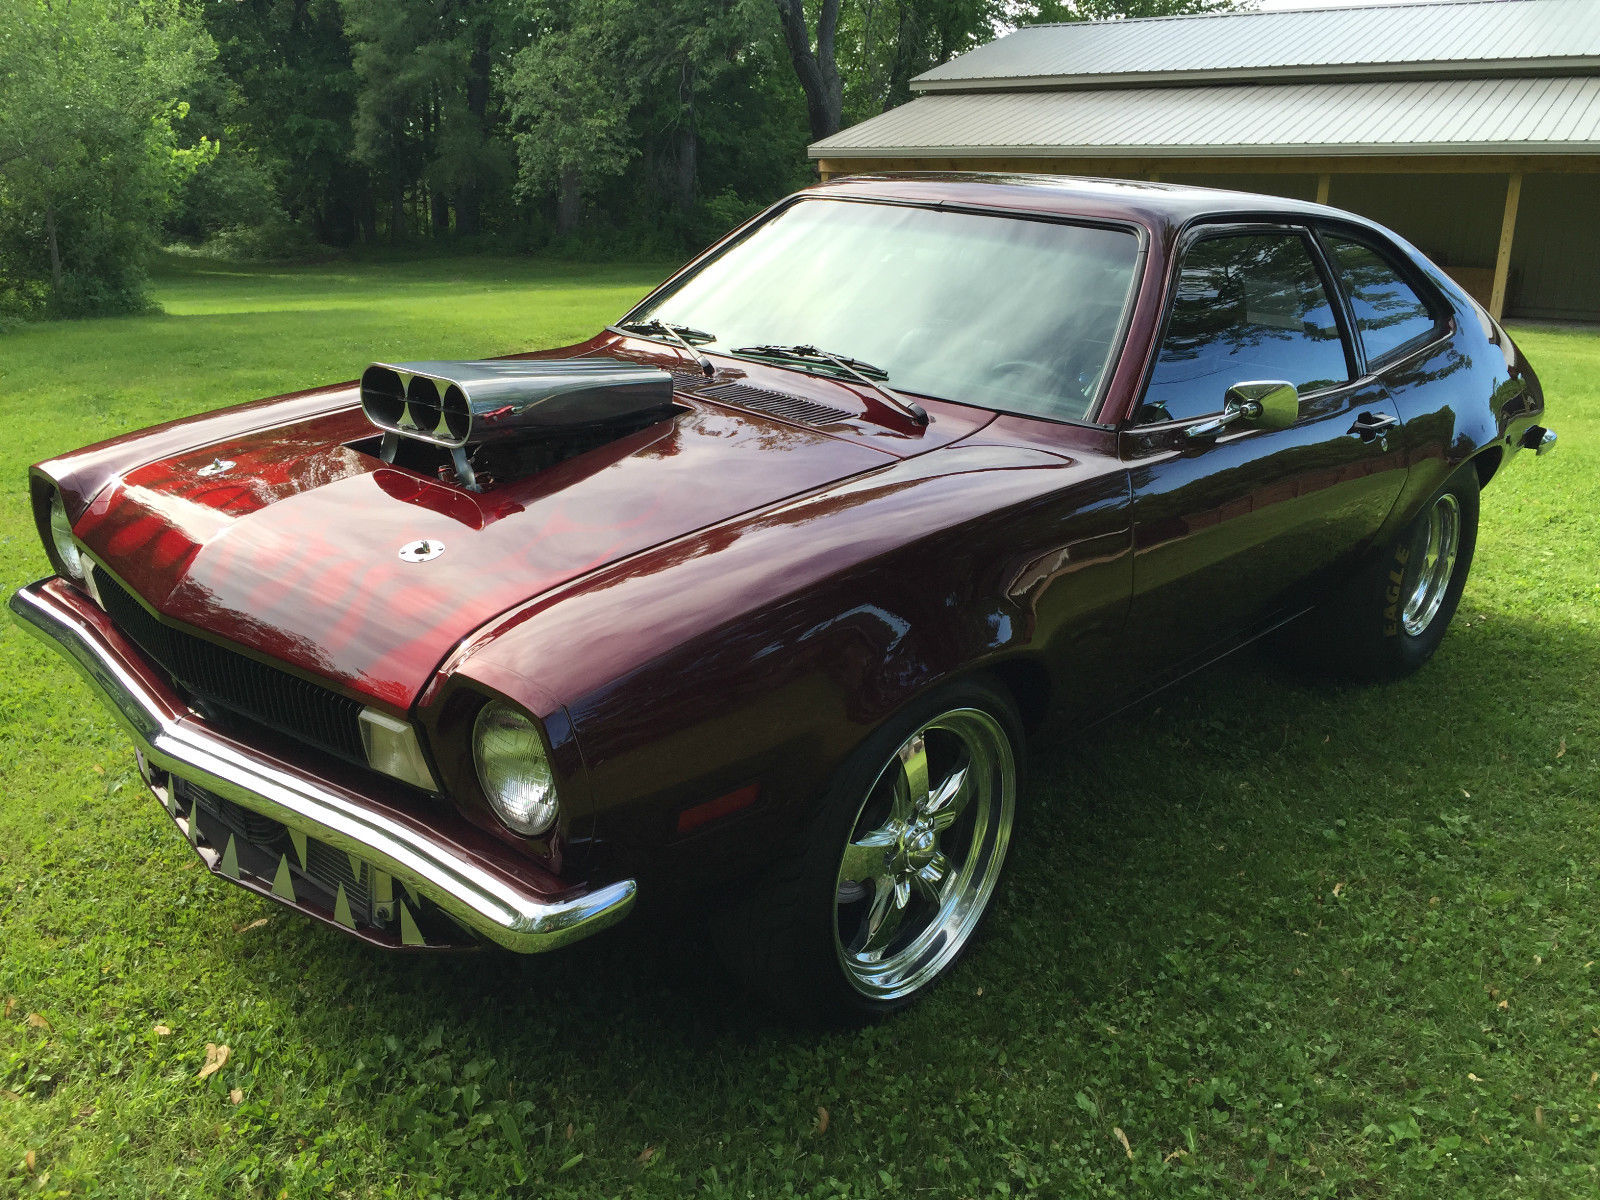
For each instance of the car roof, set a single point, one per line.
(1160, 206)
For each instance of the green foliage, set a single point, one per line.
(271, 240)
(602, 127)
(91, 98)
(572, 95)
(423, 103)
(606, 79)
(598, 125)
(1289, 941)
(887, 43)
(1105, 10)
(233, 190)
(284, 93)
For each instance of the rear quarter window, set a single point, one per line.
(1389, 312)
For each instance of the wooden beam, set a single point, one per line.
(1502, 262)
(1324, 186)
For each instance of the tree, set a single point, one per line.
(91, 97)
(860, 60)
(425, 120)
(814, 63)
(606, 82)
(571, 98)
(1110, 10)
(285, 98)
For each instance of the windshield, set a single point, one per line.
(1012, 314)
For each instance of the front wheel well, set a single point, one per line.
(1028, 683)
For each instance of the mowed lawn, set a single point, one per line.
(1261, 937)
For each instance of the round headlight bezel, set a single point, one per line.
(64, 545)
(514, 772)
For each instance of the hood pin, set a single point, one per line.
(215, 467)
(421, 550)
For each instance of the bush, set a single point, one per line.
(231, 191)
(274, 240)
(717, 215)
(90, 100)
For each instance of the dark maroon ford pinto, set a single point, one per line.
(756, 593)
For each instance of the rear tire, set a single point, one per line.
(1392, 616)
(892, 878)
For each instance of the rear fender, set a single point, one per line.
(1468, 396)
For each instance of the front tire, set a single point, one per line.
(1393, 615)
(897, 870)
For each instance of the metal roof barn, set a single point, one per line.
(1470, 126)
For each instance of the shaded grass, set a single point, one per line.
(1287, 940)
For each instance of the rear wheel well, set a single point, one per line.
(1028, 683)
(1488, 463)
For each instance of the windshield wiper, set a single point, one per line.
(685, 335)
(874, 377)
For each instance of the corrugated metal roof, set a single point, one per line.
(1421, 116)
(1451, 36)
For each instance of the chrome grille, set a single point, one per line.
(227, 679)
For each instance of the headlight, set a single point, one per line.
(514, 768)
(66, 546)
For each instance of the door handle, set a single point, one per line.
(1371, 425)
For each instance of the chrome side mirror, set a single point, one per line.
(1259, 403)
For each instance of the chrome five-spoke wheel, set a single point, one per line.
(1430, 575)
(925, 854)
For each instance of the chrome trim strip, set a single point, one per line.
(482, 901)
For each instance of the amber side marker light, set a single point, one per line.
(691, 819)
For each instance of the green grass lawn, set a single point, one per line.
(1260, 938)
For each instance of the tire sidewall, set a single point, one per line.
(1409, 651)
(814, 953)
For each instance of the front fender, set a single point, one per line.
(763, 650)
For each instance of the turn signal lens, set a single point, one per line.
(392, 748)
(514, 769)
(66, 546)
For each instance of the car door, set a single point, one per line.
(1233, 529)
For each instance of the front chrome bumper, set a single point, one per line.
(500, 904)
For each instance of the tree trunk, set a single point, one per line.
(817, 70)
(469, 208)
(688, 163)
(469, 200)
(569, 205)
(910, 55)
(440, 205)
(55, 250)
(397, 211)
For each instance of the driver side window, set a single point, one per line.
(1248, 307)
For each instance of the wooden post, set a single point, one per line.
(1155, 176)
(1502, 262)
(1324, 186)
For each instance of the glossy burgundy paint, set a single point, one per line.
(728, 601)
(271, 554)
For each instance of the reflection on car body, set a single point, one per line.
(754, 597)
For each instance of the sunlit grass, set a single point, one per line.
(1285, 939)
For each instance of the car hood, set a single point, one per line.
(287, 542)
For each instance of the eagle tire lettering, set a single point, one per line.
(1391, 611)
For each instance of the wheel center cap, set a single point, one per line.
(918, 844)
